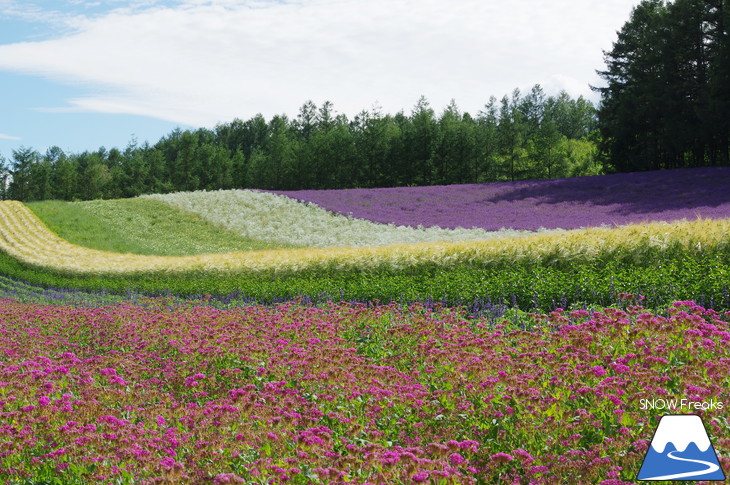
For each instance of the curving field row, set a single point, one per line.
(269, 217)
(24, 237)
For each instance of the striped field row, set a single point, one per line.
(24, 237)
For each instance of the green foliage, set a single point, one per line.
(667, 93)
(530, 136)
(140, 226)
(528, 286)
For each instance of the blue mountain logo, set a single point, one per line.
(681, 450)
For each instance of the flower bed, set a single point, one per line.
(24, 237)
(344, 392)
(625, 198)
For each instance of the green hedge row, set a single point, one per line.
(704, 278)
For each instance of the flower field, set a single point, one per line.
(269, 217)
(571, 203)
(346, 393)
(383, 354)
(532, 271)
(24, 237)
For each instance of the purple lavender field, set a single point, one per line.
(557, 203)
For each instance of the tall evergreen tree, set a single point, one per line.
(487, 143)
(24, 159)
(511, 133)
(665, 99)
(420, 142)
(4, 175)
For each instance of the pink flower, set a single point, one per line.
(502, 457)
(117, 380)
(456, 459)
(420, 477)
(598, 371)
(524, 456)
(469, 445)
(619, 368)
(227, 478)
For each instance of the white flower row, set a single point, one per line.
(277, 218)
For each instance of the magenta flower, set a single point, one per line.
(523, 455)
(502, 458)
(420, 477)
(456, 459)
(227, 478)
(598, 371)
(117, 380)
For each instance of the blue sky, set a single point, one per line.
(80, 75)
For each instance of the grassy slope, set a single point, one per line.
(140, 226)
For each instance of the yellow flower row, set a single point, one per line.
(24, 237)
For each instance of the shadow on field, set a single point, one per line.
(631, 193)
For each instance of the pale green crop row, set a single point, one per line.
(271, 217)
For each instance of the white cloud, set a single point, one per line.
(202, 62)
(3, 136)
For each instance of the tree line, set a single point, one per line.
(518, 137)
(666, 102)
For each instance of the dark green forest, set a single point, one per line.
(519, 137)
(665, 104)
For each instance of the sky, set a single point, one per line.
(85, 74)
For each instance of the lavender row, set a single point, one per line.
(529, 205)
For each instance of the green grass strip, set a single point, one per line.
(140, 226)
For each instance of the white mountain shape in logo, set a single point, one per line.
(681, 430)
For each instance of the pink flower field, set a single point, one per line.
(346, 393)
